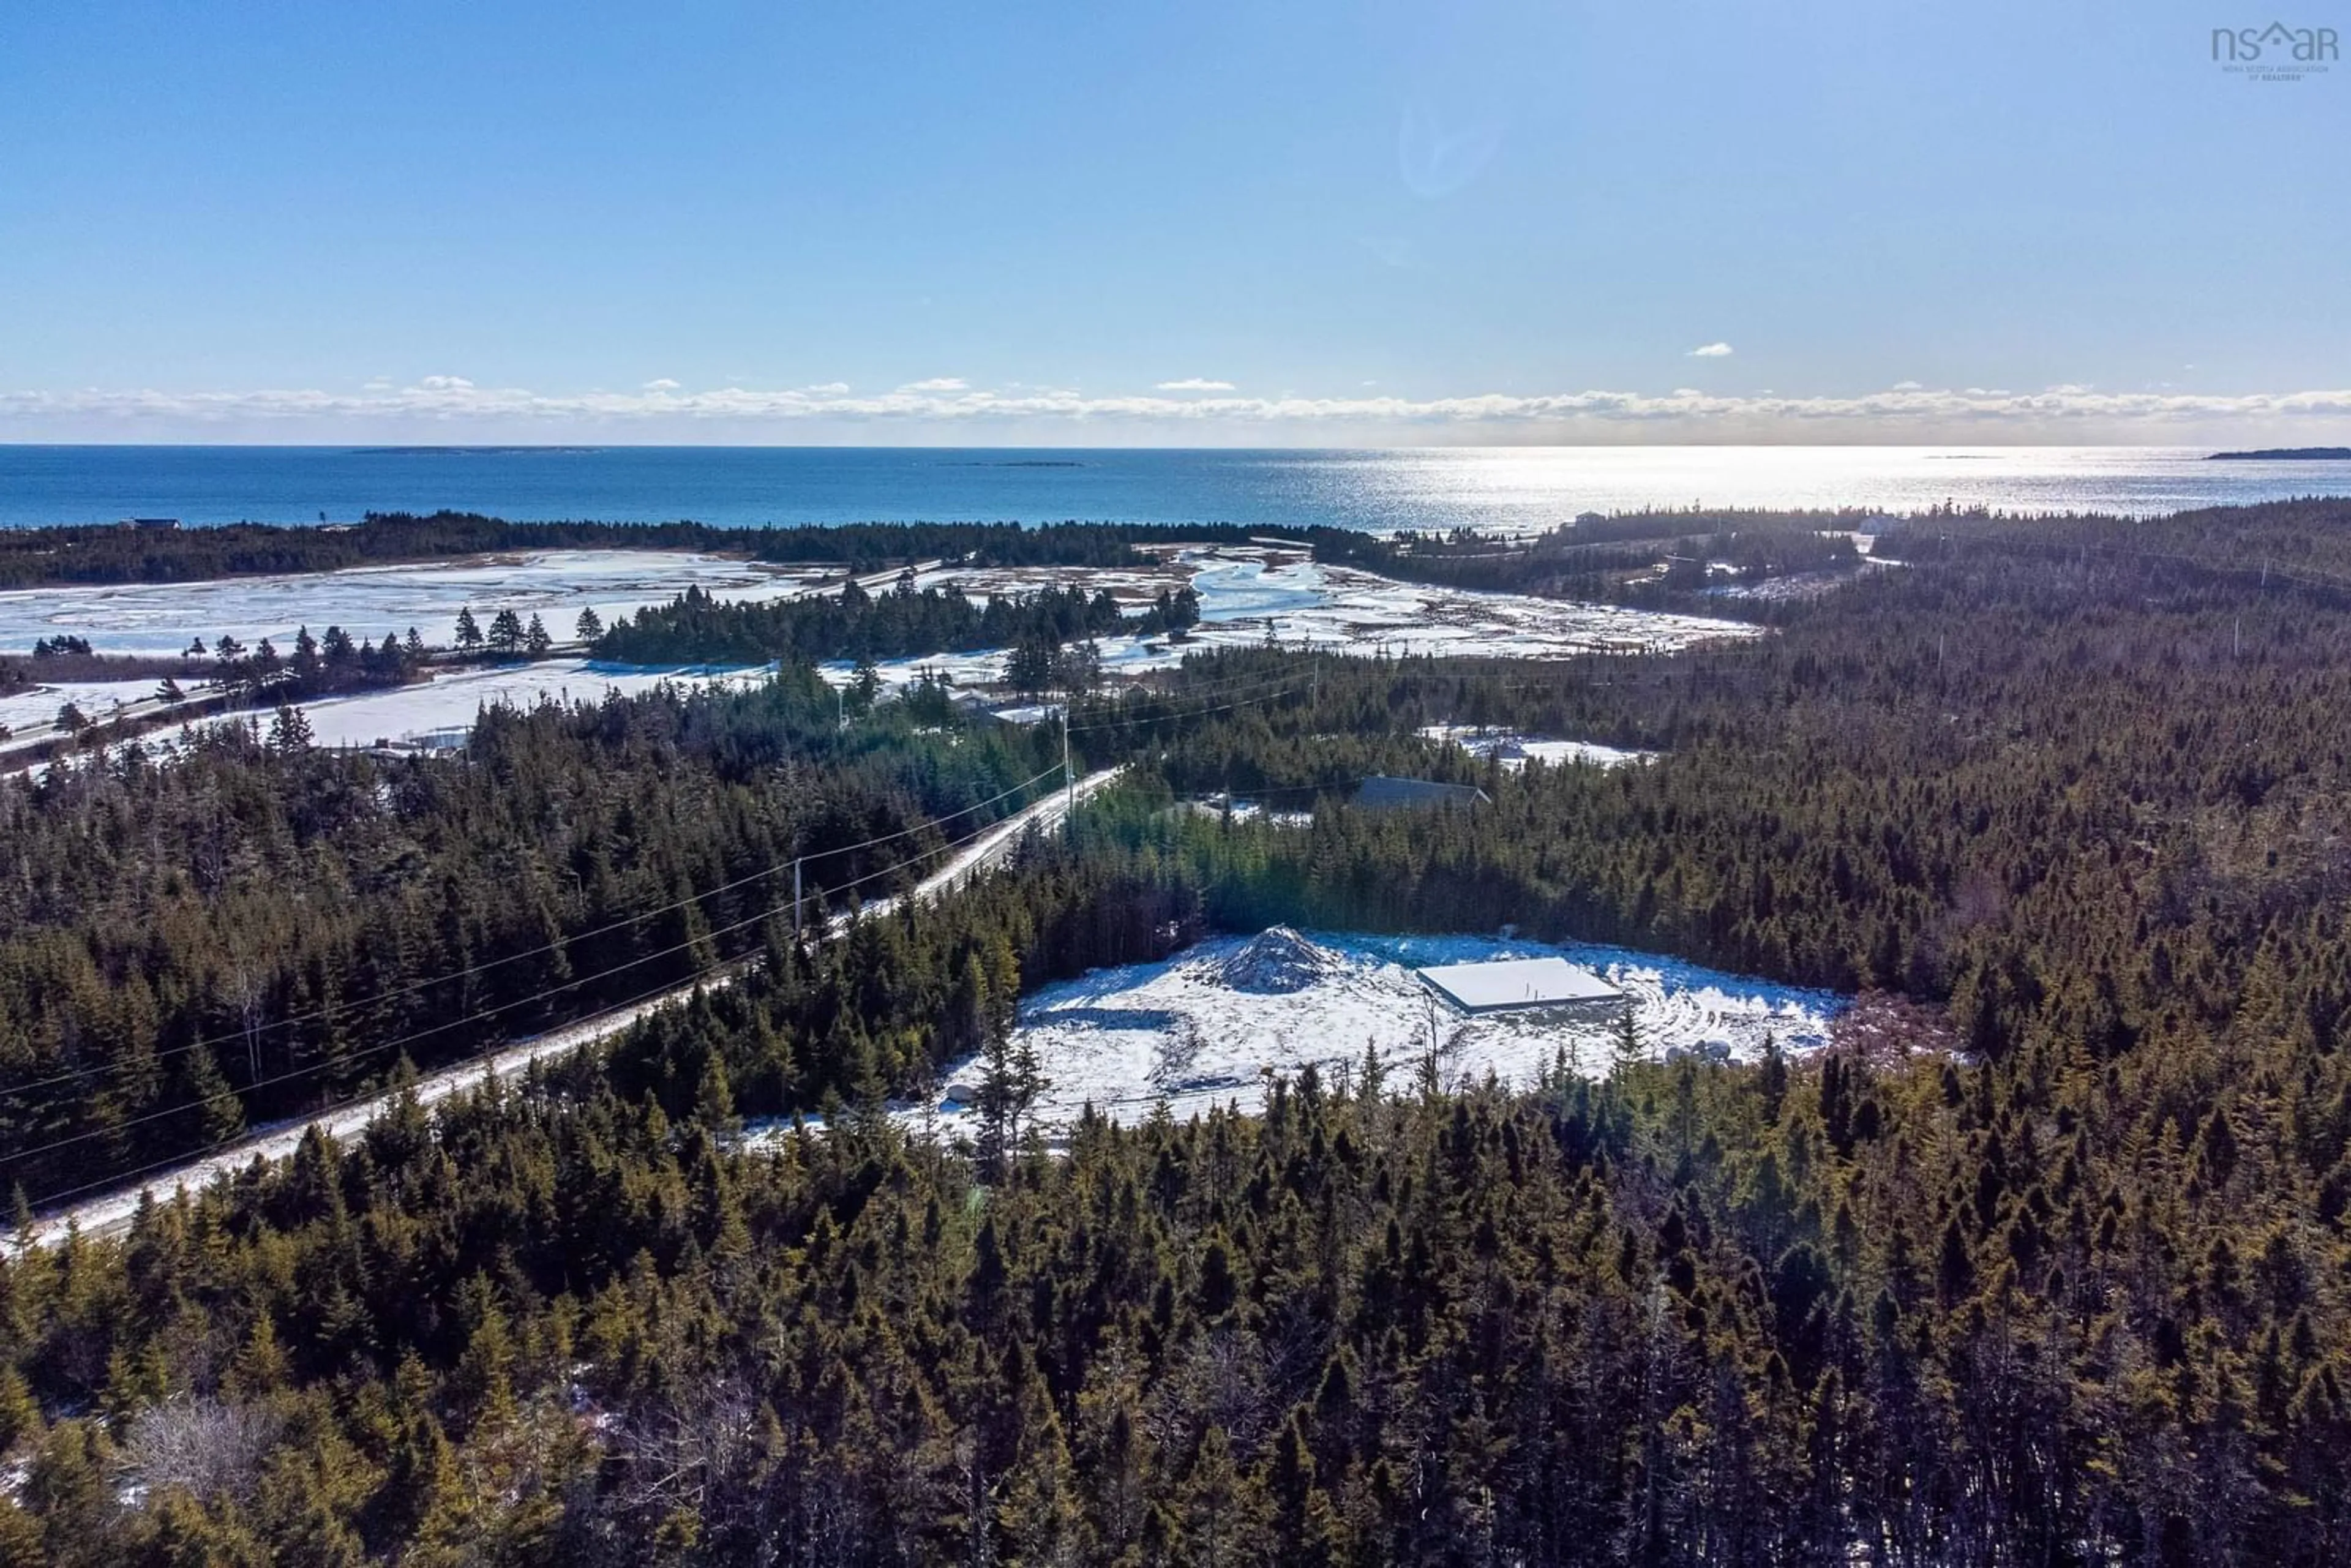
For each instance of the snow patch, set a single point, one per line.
(1514, 750)
(1187, 1033)
(1219, 806)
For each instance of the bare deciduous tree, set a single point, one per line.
(206, 1446)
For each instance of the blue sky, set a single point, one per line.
(1256, 224)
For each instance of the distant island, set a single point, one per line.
(2286, 455)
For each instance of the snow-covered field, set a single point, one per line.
(440, 711)
(980, 669)
(1203, 1028)
(1517, 751)
(1246, 594)
(1784, 589)
(366, 601)
(1339, 607)
(1132, 586)
(450, 702)
(36, 708)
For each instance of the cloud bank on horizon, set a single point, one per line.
(947, 408)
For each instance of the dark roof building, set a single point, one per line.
(974, 706)
(1382, 793)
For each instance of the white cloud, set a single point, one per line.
(1710, 351)
(951, 409)
(1909, 386)
(662, 384)
(1195, 384)
(937, 384)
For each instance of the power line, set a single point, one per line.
(193, 1156)
(330, 1009)
(16, 1091)
(333, 1063)
(1218, 687)
(909, 832)
(1142, 720)
(1099, 702)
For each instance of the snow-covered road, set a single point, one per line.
(113, 1211)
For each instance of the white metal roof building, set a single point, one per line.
(1509, 985)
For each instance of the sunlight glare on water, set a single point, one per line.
(1514, 488)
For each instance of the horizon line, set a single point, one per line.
(394, 447)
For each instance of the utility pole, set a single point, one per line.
(1069, 777)
(796, 899)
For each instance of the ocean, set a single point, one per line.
(1513, 488)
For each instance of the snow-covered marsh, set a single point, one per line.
(37, 706)
(366, 601)
(1250, 594)
(434, 713)
(450, 702)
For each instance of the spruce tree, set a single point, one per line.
(289, 731)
